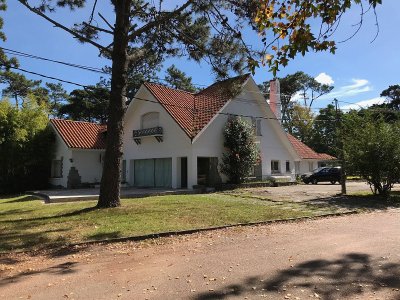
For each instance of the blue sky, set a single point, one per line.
(359, 70)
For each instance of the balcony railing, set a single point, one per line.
(157, 132)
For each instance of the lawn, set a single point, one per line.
(28, 224)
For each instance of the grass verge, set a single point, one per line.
(28, 224)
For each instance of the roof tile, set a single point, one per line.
(306, 152)
(193, 111)
(81, 135)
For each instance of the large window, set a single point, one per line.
(275, 166)
(150, 120)
(56, 168)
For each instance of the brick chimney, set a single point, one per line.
(275, 98)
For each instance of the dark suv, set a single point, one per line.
(325, 174)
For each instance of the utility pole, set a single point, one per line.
(340, 145)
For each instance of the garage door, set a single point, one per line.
(153, 172)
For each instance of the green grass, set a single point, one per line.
(28, 224)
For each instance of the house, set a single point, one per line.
(174, 139)
(79, 151)
(310, 159)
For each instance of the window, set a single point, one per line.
(275, 166)
(287, 166)
(310, 166)
(150, 120)
(56, 168)
(256, 123)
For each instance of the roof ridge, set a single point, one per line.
(168, 87)
(73, 121)
(223, 81)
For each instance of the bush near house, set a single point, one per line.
(25, 147)
(241, 152)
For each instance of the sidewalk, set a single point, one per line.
(70, 195)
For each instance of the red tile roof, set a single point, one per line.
(306, 152)
(193, 111)
(81, 135)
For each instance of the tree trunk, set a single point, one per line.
(111, 178)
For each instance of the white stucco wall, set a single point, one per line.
(273, 142)
(88, 164)
(62, 152)
(175, 143)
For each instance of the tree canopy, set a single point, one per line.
(179, 80)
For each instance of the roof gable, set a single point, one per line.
(306, 152)
(80, 135)
(193, 111)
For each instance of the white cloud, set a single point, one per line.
(324, 78)
(357, 86)
(364, 103)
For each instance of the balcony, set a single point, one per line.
(156, 132)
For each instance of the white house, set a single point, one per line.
(174, 139)
(78, 154)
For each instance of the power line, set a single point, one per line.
(27, 55)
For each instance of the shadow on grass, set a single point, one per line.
(15, 240)
(104, 236)
(69, 214)
(23, 199)
(350, 275)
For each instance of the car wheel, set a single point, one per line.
(333, 181)
(306, 182)
(314, 181)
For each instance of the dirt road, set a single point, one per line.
(348, 257)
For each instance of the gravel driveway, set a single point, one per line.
(304, 192)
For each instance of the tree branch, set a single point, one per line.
(56, 24)
(105, 21)
(99, 28)
(165, 17)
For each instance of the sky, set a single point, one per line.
(359, 71)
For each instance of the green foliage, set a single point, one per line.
(178, 80)
(372, 150)
(57, 97)
(301, 123)
(392, 95)
(325, 134)
(290, 85)
(90, 105)
(285, 26)
(18, 86)
(26, 146)
(241, 152)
